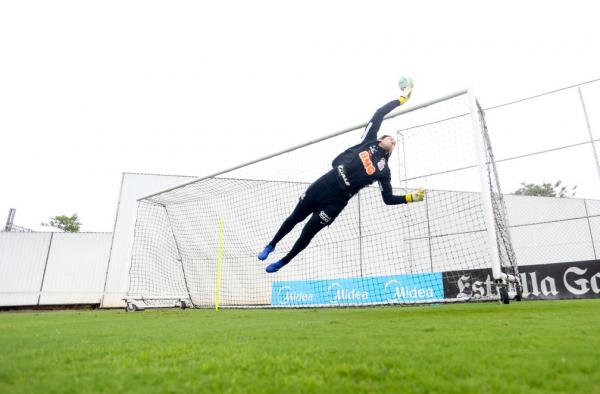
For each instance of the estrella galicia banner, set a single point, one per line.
(579, 279)
(356, 291)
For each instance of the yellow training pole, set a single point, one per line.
(219, 260)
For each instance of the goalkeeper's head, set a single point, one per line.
(388, 143)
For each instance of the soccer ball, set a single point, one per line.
(405, 82)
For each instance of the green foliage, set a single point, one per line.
(527, 347)
(546, 190)
(68, 224)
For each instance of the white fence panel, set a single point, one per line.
(593, 207)
(527, 210)
(22, 262)
(76, 269)
(595, 229)
(555, 242)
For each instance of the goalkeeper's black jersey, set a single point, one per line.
(367, 162)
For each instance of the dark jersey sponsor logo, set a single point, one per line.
(365, 158)
(343, 175)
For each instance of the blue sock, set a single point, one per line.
(265, 252)
(276, 266)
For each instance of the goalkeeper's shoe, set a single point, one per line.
(418, 195)
(265, 252)
(276, 266)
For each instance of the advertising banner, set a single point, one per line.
(579, 279)
(356, 291)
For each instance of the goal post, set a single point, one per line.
(372, 254)
(486, 186)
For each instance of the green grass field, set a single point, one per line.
(538, 347)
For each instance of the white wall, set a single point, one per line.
(52, 268)
(93, 267)
(22, 262)
(76, 268)
(133, 186)
(549, 230)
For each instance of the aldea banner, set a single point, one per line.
(356, 291)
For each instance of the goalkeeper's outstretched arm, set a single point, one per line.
(377, 119)
(391, 199)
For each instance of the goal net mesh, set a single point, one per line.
(198, 242)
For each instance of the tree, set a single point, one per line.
(546, 190)
(68, 224)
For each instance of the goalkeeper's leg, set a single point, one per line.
(319, 220)
(304, 208)
(311, 228)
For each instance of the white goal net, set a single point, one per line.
(198, 242)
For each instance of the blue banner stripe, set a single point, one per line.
(346, 291)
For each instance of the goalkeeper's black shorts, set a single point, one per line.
(324, 198)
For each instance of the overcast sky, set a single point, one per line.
(89, 90)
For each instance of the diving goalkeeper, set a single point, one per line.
(353, 169)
